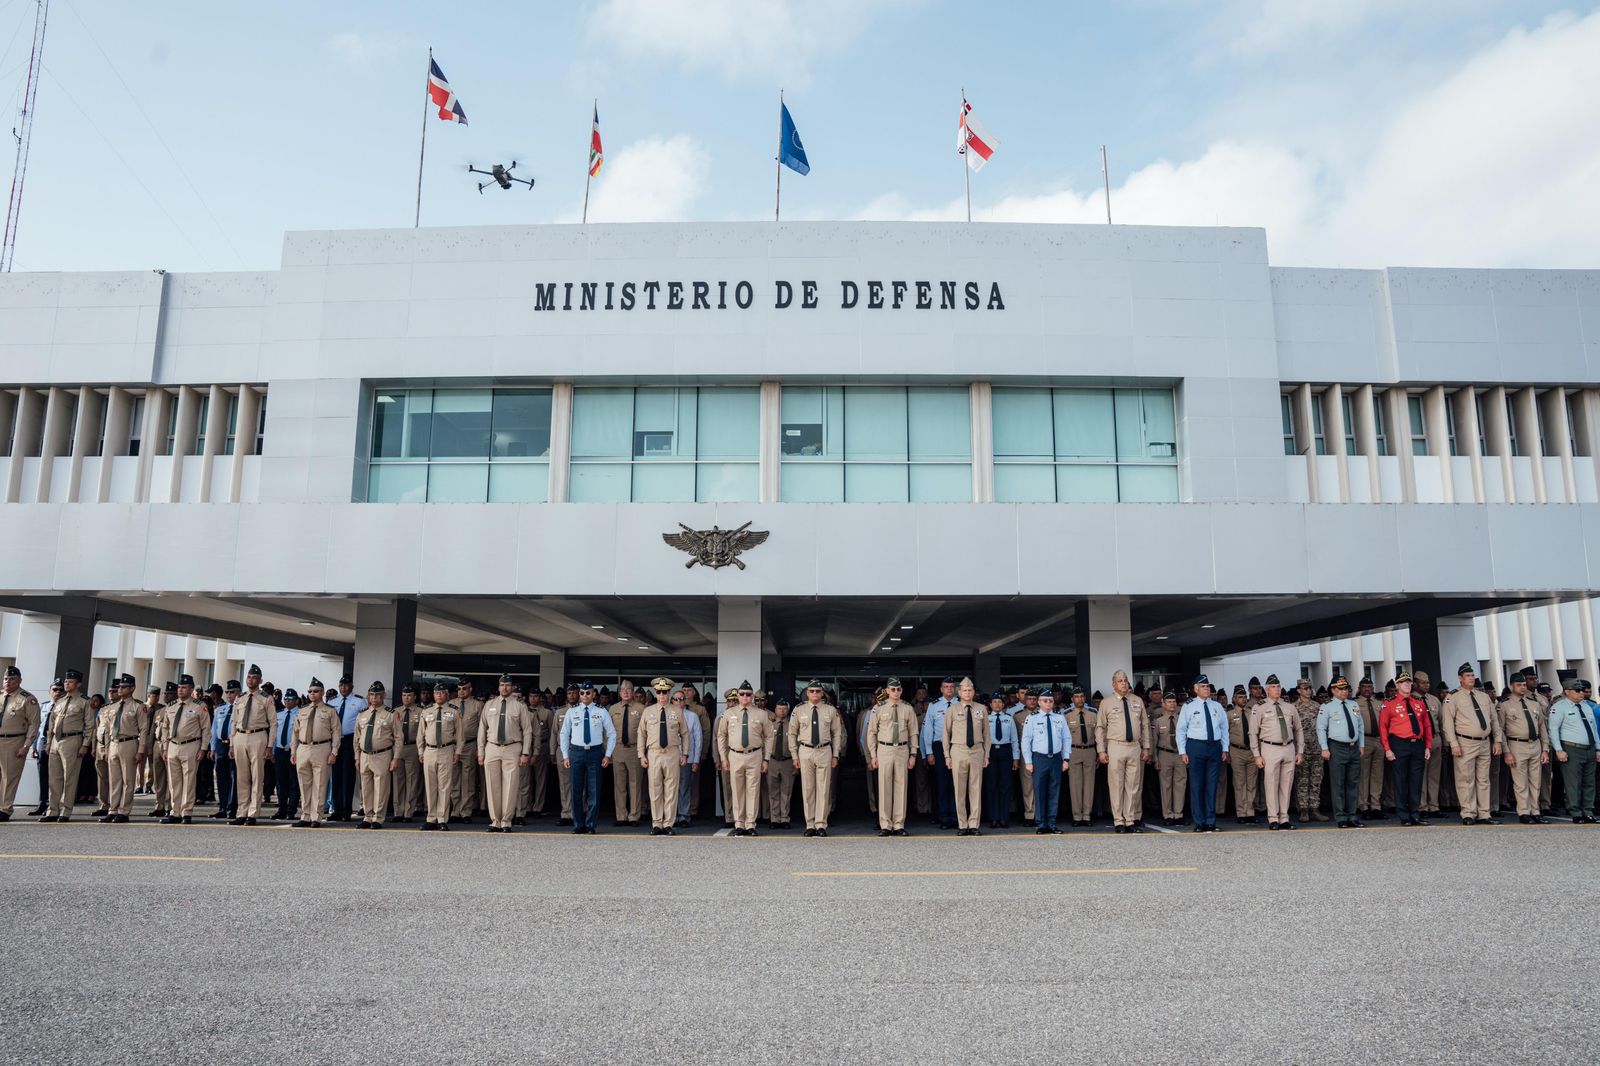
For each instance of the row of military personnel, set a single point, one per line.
(972, 748)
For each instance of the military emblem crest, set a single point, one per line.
(715, 547)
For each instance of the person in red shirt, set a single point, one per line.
(1407, 733)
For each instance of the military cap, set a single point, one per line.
(813, 683)
(585, 686)
(1403, 678)
(1544, 687)
(72, 675)
(1420, 675)
(441, 685)
(1256, 681)
(964, 682)
(662, 684)
(1338, 682)
(1238, 690)
(1069, 690)
(506, 679)
(1272, 679)
(1517, 678)
(744, 686)
(1584, 686)
(12, 671)
(56, 683)
(1201, 679)
(170, 687)
(314, 683)
(999, 694)
(186, 679)
(344, 679)
(462, 682)
(1366, 679)
(214, 689)
(376, 686)
(1465, 668)
(947, 680)
(254, 669)
(730, 695)
(893, 682)
(126, 679)
(1097, 697)
(232, 685)
(290, 694)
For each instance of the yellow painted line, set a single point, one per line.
(997, 873)
(113, 858)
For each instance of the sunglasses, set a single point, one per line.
(677, 699)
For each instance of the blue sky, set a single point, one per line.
(190, 135)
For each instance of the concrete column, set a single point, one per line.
(1558, 433)
(560, 440)
(1397, 420)
(250, 402)
(1458, 643)
(1363, 404)
(771, 446)
(60, 423)
(1425, 648)
(1108, 626)
(552, 669)
(1587, 668)
(1333, 430)
(1325, 666)
(1437, 428)
(1495, 667)
(188, 401)
(1525, 409)
(193, 664)
(386, 641)
(85, 431)
(738, 642)
(29, 420)
(1465, 405)
(1386, 666)
(1305, 437)
(982, 403)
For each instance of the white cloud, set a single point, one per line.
(767, 39)
(1273, 25)
(657, 179)
(364, 49)
(1496, 165)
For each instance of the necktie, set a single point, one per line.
(1533, 730)
(1050, 735)
(1473, 696)
(244, 726)
(971, 739)
(1083, 729)
(1416, 726)
(625, 724)
(744, 730)
(177, 720)
(116, 722)
(1244, 723)
(1349, 722)
(500, 738)
(1205, 709)
(897, 723)
(587, 738)
(816, 727)
(372, 724)
(783, 742)
(663, 740)
(438, 727)
(283, 735)
(1587, 731)
(1127, 722)
(1283, 727)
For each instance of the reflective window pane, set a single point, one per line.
(602, 423)
(730, 424)
(1084, 424)
(1158, 424)
(1148, 484)
(727, 482)
(521, 424)
(1022, 424)
(812, 483)
(599, 482)
(398, 483)
(402, 424)
(663, 482)
(874, 423)
(941, 423)
(458, 482)
(875, 482)
(1024, 483)
(656, 424)
(519, 482)
(1086, 484)
(941, 483)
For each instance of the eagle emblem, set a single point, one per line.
(715, 547)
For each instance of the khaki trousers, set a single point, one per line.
(158, 783)
(626, 776)
(1243, 765)
(438, 773)
(464, 788)
(405, 784)
(564, 789)
(725, 783)
(311, 767)
(872, 793)
(1080, 781)
(11, 769)
(1278, 781)
(122, 770)
(1125, 782)
(1431, 771)
(524, 789)
(65, 766)
(816, 774)
(372, 771)
(780, 789)
(663, 780)
(1525, 773)
(250, 761)
(1026, 781)
(1174, 782)
(922, 783)
(1472, 777)
(102, 776)
(966, 768)
(1372, 763)
(744, 768)
(183, 762)
(891, 777)
(500, 781)
(539, 783)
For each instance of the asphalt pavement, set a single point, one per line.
(207, 943)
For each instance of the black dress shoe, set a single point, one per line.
(519, 821)
(442, 827)
(1123, 829)
(301, 824)
(1198, 829)
(1273, 826)
(188, 819)
(822, 832)
(170, 819)
(374, 825)
(1469, 821)
(1055, 831)
(1287, 825)
(559, 821)
(37, 811)
(97, 812)
(236, 821)
(1136, 827)
(1041, 831)
(683, 823)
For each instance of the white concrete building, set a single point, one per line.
(1029, 452)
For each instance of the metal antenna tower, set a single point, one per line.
(22, 133)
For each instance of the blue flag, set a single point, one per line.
(791, 153)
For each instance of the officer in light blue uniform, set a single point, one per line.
(1573, 738)
(1005, 756)
(1203, 744)
(933, 752)
(587, 741)
(1047, 747)
(282, 766)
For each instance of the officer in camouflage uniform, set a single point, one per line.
(1308, 778)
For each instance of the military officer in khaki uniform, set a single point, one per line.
(317, 730)
(464, 789)
(19, 728)
(405, 786)
(376, 739)
(1173, 772)
(188, 732)
(69, 733)
(1122, 741)
(558, 718)
(442, 740)
(626, 775)
(1372, 760)
(1472, 730)
(505, 745)
(780, 767)
(160, 780)
(1026, 705)
(249, 737)
(816, 732)
(1241, 759)
(1278, 745)
(966, 747)
(891, 749)
(664, 754)
(538, 772)
(1433, 768)
(1083, 722)
(1525, 726)
(127, 737)
(743, 733)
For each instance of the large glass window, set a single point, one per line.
(1286, 410)
(665, 444)
(1419, 435)
(1380, 424)
(1347, 409)
(135, 425)
(232, 437)
(460, 446)
(1318, 435)
(875, 444)
(200, 424)
(1085, 445)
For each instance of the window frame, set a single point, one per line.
(1116, 462)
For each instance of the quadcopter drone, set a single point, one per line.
(501, 176)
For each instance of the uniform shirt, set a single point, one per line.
(41, 743)
(283, 726)
(469, 711)
(349, 708)
(21, 720)
(1003, 732)
(731, 729)
(649, 738)
(505, 722)
(1083, 722)
(956, 717)
(440, 726)
(601, 731)
(829, 727)
(1045, 733)
(1370, 720)
(894, 729)
(1274, 723)
(194, 725)
(125, 720)
(1522, 719)
(1394, 720)
(1239, 729)
(1119, 716)
(220, 728)
(696, 737)
(626, 717)
(1333, 724)
(933, 724)
(1567, 721)
(864, 724)
(317, 723)
(376, 731)
(1462, 709)
(71, 720)
(405, 724)
(252, 711)
(1192, 723)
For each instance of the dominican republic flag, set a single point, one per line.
(972, 140)
(596, 155)
(443, 96)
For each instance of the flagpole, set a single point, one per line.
(422, 153)
(777, 200)
(966, 137)
(1105, 169)
(588, 170)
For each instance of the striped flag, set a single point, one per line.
(444, 98)
(596, 156)
(973, 140)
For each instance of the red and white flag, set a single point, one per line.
(973, 140)
(596, 154)
(443, 97)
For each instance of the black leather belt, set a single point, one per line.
(1525, 740)
(743, 751)
(315, 743)
(436, 747)
(122, 740)
(379, 751)
(881, 743)
(63, 736)
(7, 736)
(1276, 743)
(247, 732)
(803, 744)
(1469, 736)
(1170, 751)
